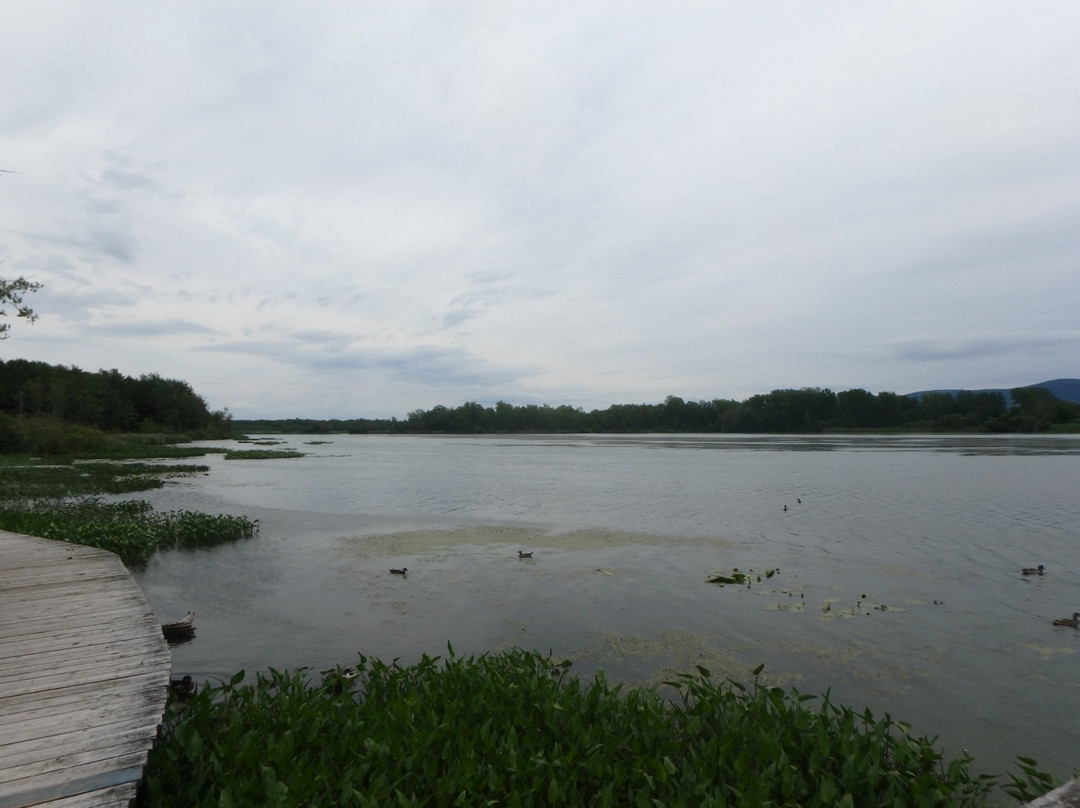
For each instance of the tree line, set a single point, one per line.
(1031, 409)
(105, 400)
(112, 402)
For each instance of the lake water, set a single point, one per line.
(896, 579)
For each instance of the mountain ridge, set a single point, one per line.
(1063, 389)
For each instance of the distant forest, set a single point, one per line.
(106, 400)
(112, 402)
(1032, 409)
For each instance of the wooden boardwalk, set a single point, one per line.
(84, 675)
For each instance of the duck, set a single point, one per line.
(338, 678)
(1069, 622)
(182, 688)
(1039, 570)
(525, 555)
(402, 571)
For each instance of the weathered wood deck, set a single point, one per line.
(84, 675)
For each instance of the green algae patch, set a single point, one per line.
(415, 542)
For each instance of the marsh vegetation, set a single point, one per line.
(516, 728)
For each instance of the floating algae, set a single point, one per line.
(737, 576)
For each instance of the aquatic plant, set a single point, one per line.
(514, 728)
(737, 576)
(261, 454)
(131, 529)
(26, 479)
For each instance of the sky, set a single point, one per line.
(361, 209)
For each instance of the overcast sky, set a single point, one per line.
(358, 209)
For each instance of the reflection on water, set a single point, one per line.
(899, 557)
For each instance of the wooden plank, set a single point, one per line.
(89, 729)
(71, 639)
(84, 672)
(59, 719)
(22, 753)
(38, 577)
(76, 754)
(106, 611)
(42, 789)
(82, 692)
(70, 658)
(114, 797)
(91, 671)
(58, 595)
(62, 634)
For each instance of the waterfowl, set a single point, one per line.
(1069, 622)
(525, 555)
(338, 678)
(402, 571)
(182, 629)
(182, 688)
(1039, 570)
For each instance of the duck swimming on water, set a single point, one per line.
(525, 555)
(1039, 570)
(402, 571)
(1069, 622)
(183, 688)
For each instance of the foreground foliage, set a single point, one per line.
(514, 729)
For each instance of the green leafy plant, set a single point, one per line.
(131, 529)
(514, 728)
(1033, 784)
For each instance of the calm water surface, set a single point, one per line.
(896, 577)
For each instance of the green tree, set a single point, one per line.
(12, 294)
(857, 409)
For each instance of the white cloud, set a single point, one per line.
(343, 210)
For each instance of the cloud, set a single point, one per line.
(999, 346)
(400, 205)
(437, 366)
(147, 329)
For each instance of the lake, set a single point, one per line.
(883, 568)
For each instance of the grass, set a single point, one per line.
(515, 729)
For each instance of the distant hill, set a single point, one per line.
(1063, 389)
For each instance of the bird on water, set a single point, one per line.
(1039, 570)
(402, 571)
(525, 555)
(1069, 622)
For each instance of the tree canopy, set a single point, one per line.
(11, 295)
(106, 400)
(805, 410)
